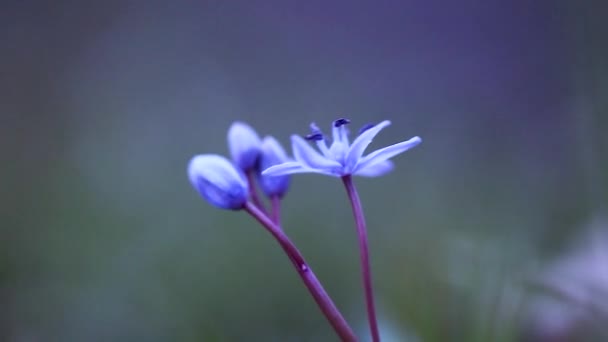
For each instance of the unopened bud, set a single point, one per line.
(244, 144)
(272, 154)
(218, 181)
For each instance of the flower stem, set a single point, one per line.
(363, 249)
(253, 192)
(315, 288)
(275, 210)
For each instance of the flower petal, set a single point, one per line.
(376, 170)
(284, 169)
(310, 158)
(294, 167)
(361, 143)
(386, 153)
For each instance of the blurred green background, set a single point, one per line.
(493, 229)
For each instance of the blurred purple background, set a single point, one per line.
(103, 104)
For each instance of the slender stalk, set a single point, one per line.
(315, 288)
(366, 271)
(275, 209)
(253, 191)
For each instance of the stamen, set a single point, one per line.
(339, 146)
(341, 122)
(315, 133)
(314, 128)
(366, 127)
(344, 134)
(323, 147)
(318, 136)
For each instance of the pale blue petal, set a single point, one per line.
(323, 172)
(376, 170)
(309, 157)
(386, 153)
(284, 169)
(294, 167)
(361, 143)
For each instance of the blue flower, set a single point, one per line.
(272, 154)
(218, 181)
(341, 158)
(244, 145)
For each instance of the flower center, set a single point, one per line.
(317, 136)
(339, 146)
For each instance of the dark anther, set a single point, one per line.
(314, 136)
(366, 127)
(341, 122)
(315, 133)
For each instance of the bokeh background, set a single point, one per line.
(493, 229)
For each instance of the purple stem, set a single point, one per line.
(275, 210)
(364, 250)
(315, 288)
(253, 191)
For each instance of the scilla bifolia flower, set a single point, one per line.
(272, 154)
(244, 144)
(341, 158)
(218, 181)
(232, 186)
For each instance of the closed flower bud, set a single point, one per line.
(218, 181)
(272, 154)
(244, 144)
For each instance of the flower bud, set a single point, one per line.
(272, 154)
(218, 181)
(244, 144)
